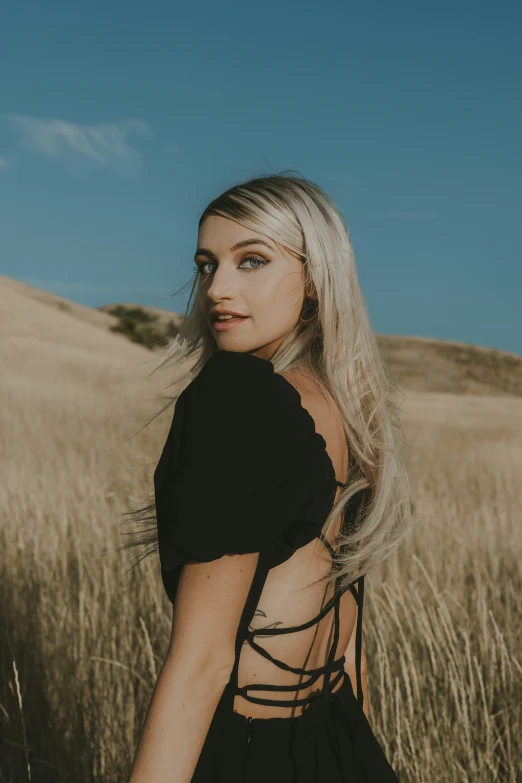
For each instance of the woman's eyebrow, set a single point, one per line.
(203, 251)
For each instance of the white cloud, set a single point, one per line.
(106, 144)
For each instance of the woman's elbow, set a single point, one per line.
(205, 662)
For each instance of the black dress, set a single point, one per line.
(244, 470)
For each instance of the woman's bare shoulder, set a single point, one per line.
(326, 415)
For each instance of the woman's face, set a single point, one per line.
(258, 280)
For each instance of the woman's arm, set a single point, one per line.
(349, 667)
(209, 602)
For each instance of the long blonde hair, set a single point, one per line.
(334, 342)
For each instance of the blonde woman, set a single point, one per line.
(279, 487)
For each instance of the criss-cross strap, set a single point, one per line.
(332, 671)
(331, 667)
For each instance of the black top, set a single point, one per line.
(244, 470)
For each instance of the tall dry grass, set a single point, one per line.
(444, 624)
(443, 629)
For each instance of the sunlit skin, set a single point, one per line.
(262, 281)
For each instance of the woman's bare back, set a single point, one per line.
(290, 597)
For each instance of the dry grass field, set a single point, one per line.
(81, 643)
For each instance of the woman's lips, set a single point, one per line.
(229, 323)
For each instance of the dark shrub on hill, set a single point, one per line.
(141, 326)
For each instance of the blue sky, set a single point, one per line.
(119, 121)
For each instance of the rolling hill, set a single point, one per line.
(121, 333)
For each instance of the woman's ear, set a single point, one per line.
(310, 292)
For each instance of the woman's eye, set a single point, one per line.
(202, 269)
(256, 260)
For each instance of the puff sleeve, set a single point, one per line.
(242, 470)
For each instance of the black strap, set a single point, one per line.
(243, 691)
(327, 544)
(359, 597)
(358, 639)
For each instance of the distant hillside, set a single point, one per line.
(89, 315)
(416, 363)
(53, 348)
(424, 364)
(29, 315)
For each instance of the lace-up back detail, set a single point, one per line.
(327, 676)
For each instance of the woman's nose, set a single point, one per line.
(223, 283)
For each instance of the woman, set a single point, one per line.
(279, 487)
